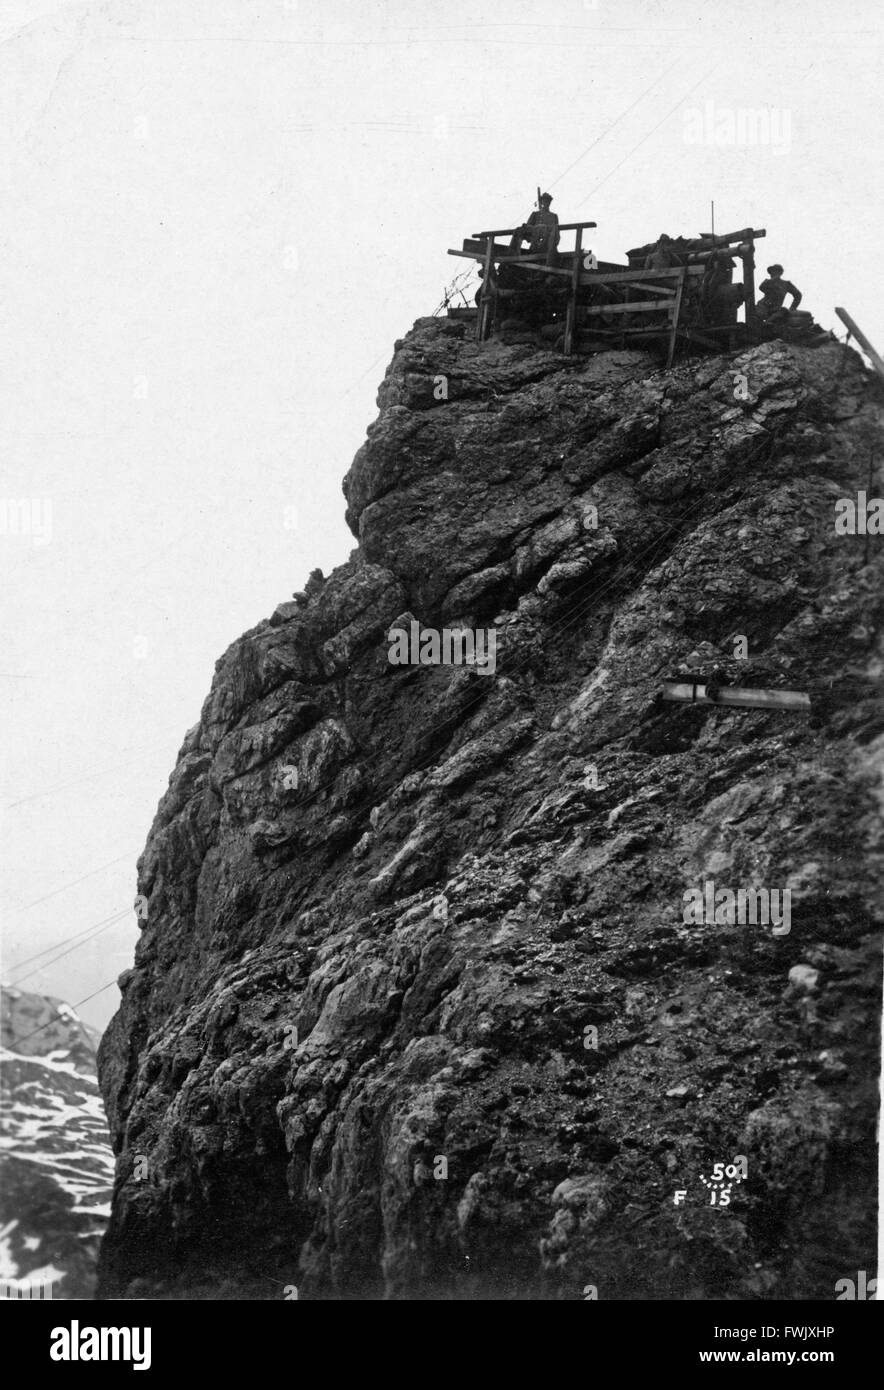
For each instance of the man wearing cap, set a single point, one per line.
(775, 289)
(541, 231)
(661, 256)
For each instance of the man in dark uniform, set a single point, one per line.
(719, 297)
(662, 257)
(541, 231)
(770, 308)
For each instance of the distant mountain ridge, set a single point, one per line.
(56, 1164)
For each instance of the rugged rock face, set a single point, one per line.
(57, 1166)
(416, 1012)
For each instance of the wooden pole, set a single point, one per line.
(572, 302)
(676, 309)
(863, 341)
(508, 231)
(749, 282)
(485, 303)
(744, 234)
(737, 697)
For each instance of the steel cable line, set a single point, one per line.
(73, 882)
(47, 950)
(97, 931)
(615, 122)
(651, 132)
(73, 1007)
(89, 776)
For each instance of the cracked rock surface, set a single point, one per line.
(416, 1012)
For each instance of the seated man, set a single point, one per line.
(662, 257)
(719, 296)
(541, 231)
(770, 308)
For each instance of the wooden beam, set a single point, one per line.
(716, 328)
(502, 248)
(637, 306)
(854, 328)
(511, 231)
(623, 277)
(746, 234)
(650, 331)
(735, 697)
(485, 297)
(627, 274)
(546, 269)
(588, 278)
(693, 336)
(668, 292)
(572, 301)
(468, 255)
(510, 258)
(676, 308)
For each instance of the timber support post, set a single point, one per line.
(571, 316)
(675, 311)
(485, 300)
(856, 332)
(749, 283)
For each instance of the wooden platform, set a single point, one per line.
(627, 291)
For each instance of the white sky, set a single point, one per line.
(217, 217)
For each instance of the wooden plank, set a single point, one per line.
(546, 269)
(467, 255)
(693, 336)
(588, 278)
(627, 274)
(508, 257)
(623, 277)
(667, 292)
(511, 231)
(638, 306)
(572, 301)
(485, 297)
(735, 697)
(480, 246)
(676, 309)
(854, 328)
(651, 334)
(745, 234)
(716, 328)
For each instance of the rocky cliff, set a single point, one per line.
(56, 1164)
(418, 1011)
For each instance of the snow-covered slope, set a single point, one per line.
(56, 1164)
